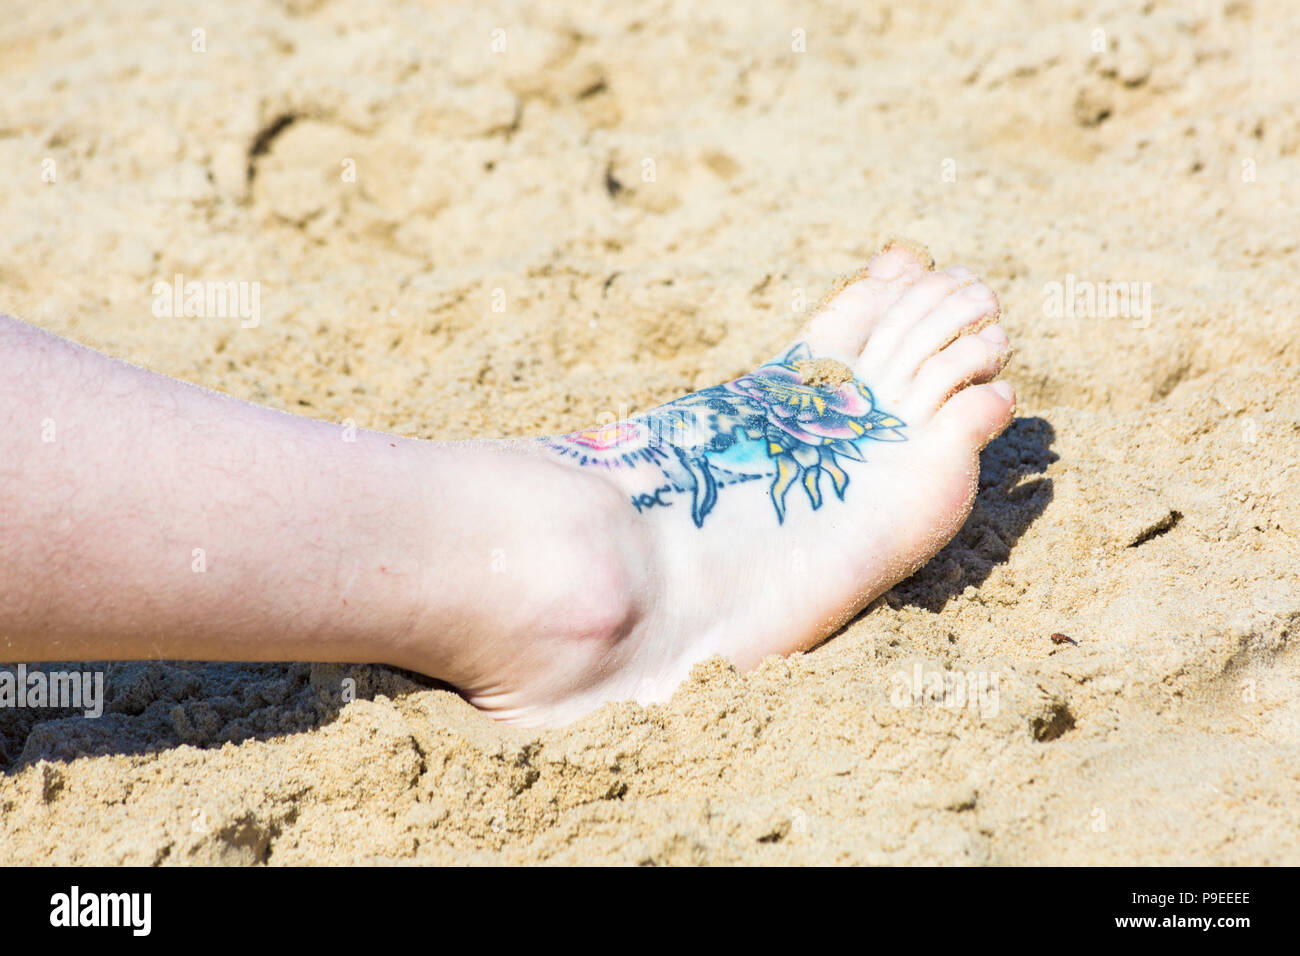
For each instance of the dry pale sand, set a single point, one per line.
(1144, 503)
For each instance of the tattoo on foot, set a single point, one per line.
(792, 419)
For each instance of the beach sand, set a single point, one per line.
(632, 201)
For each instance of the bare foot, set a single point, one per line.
(756, 517)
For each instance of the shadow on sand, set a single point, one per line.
(1008, 502)
(151, 706)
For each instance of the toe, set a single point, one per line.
(972, 359)
(842, 323)
(964, 311)
(976, 415)
(904, 315)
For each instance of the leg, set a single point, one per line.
(142, 517)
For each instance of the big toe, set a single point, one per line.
(841, 325)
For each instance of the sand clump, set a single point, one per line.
(823, 373)
(456, 241)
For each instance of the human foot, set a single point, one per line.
(757, 517)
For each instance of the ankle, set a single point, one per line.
(599, 563)
(547, 578)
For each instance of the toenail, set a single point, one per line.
(1005, 390)
(995, 335)
(979, 291)
(960, 272)
(887, 267)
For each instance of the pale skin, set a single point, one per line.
(146, 518)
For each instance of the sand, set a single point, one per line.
(647, 195)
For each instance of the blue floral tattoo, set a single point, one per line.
(783, 422)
